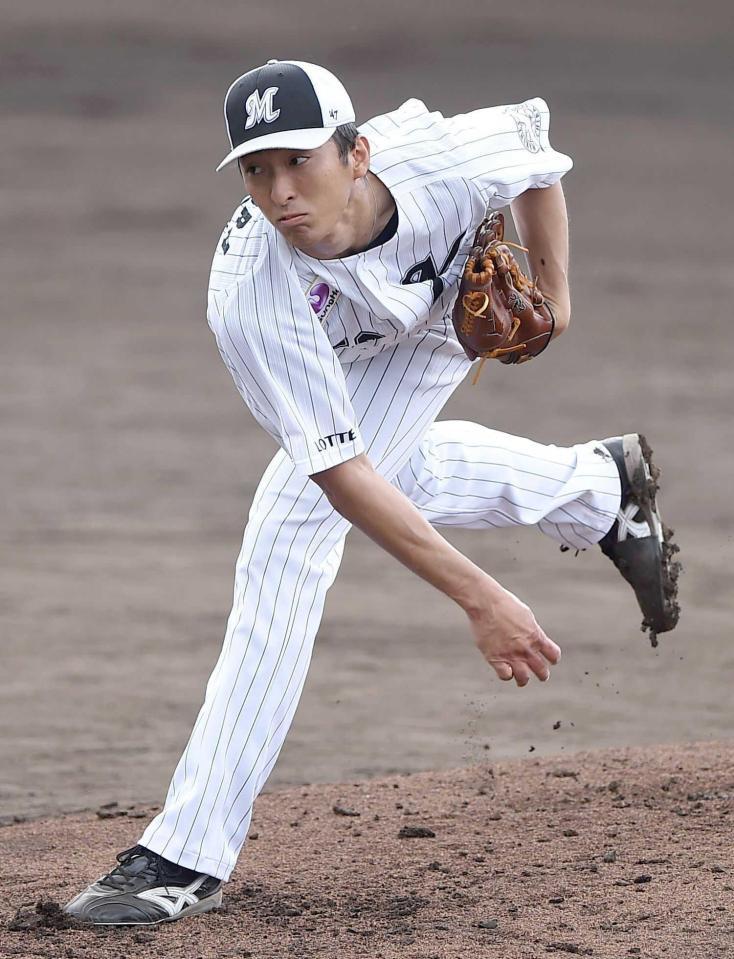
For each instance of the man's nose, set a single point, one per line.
(281, 189)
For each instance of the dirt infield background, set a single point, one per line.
(610, 854)
(129, 461)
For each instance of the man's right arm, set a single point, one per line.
(504, 628)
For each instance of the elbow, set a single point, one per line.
(561, 325)
(327, 483)
(560, 306)
(336, 482)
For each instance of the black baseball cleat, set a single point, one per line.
(639, 544)
(143, 890)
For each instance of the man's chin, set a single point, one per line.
(301, 236)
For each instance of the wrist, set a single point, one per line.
(477, 593)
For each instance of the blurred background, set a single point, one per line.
(128, 460)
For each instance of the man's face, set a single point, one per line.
(303, 193)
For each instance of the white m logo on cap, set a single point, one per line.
(261, 107)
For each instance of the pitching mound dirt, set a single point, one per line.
(607, 854)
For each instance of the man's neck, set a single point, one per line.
(366, 217)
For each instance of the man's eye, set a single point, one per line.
(298, 161)
(252, 169)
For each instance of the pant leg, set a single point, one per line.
(290, 554)
(464, 474)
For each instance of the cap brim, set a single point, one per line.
(289, 140)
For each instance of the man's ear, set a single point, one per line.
(361, 157)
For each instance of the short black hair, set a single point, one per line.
(345, 137)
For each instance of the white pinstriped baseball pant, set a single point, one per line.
(456, 473)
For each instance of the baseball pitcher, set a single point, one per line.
(350, 293)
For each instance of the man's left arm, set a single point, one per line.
(541, 221)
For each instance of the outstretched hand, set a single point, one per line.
(504, 629)
(510, 639)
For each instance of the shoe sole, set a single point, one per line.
(204, 905)
(644, 478)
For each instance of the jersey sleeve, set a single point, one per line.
(502, 150)
(506, 150)
(284, 366)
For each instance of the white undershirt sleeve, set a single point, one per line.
(284, 366)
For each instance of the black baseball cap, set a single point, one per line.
(286, 104)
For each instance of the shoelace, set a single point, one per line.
(119, 877)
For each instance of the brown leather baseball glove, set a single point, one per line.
(499, 313)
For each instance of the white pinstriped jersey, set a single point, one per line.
(285, 323)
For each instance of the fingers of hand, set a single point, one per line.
(548, 648)
(503, 670)
(539, 666)
(533, 660)
(542, 652)
(521, 672)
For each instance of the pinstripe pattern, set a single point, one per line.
(442, 172)
(467, 475)
(456, 473)
(290, 555)
(282, 362)
(414, 147)
(380, 391)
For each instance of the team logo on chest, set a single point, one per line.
(528, 122)
(260, 107)
(321, 298)
(426, 270)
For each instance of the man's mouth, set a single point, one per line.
(292, 217)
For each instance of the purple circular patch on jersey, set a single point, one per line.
(318, 295)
